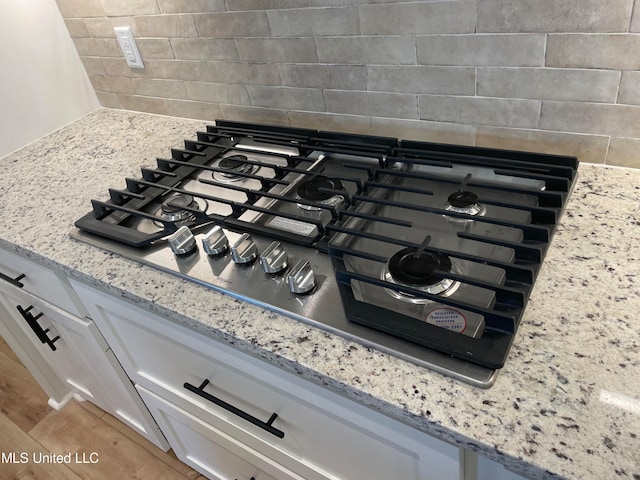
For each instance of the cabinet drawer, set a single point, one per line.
(318, 426)
(35, 279)
(208, 450)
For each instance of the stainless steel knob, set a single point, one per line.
(215, 242)
(302, 279)
(182, 241)
(274, 258)
(244, 250)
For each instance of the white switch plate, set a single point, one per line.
(129, 47)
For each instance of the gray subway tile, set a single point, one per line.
(302, 22)
(191, 6)
(118, 67)
(77, 27)
(331, 122)
(156, 87)
(554, 15)
(635, 20)
(623, 152)
(386, 50)
(425, 131)
(480, 111)
(204, 48)
(588, 148)
(286, 98)
(112, 84)
(190, 109)
(595, 118)
(81, 8)
(609, 51)
(277, 49)
(97, 47)
(219, 72)
(93, 65)
(143, 104)
(518, 50)
(154, 48)
(549, 84)
(217, 92)
(232, 24)
(246, 73)
(342, 77)
(374, 104)
(422, 79)
(244, 113)
(103, 26)
(172, 26)
(233, 5)
(629, 88)
(108, 99)
(117, 8)
(419, 18)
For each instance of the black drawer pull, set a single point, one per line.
(35, 326)
(268, 426)
(13, 281)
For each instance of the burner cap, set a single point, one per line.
(406, 268)
(235, 163)
(310, 189)
(177, 202)
(463, 199)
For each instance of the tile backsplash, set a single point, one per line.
(559, 76)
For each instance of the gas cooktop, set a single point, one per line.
(426, 251)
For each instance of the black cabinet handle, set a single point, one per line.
(13, 281)
(268, 425)
(35, 326)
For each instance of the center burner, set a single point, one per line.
(316, 189)
(234, 167)
(411, 268)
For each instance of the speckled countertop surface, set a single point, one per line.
(567, 403)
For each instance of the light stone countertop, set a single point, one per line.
(567, 403)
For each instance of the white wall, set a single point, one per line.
(43, 84)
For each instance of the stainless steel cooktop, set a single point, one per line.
(424, 251)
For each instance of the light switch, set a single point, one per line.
(129, 47)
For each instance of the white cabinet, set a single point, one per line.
(216, 406)
(66, 354)
(477, 467)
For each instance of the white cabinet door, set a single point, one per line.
(29, 354)
(325, 435)
(79, 356)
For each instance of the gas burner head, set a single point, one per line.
(173, 209)
(313, 191)
(464, 201)
(405, 268)
(234, 166)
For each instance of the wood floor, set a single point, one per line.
(28, 424)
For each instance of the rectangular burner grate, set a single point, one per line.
(512, 237)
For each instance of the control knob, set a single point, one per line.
(274, 258)
(302, 279)
(215, 242)
(244, 251)
(182, 241)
